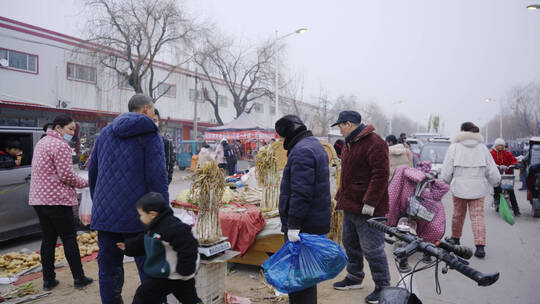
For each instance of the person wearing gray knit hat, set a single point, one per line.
(499, 142)
(505, 160)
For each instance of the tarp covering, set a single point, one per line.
(240, 128)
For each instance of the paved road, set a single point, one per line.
(514, 251)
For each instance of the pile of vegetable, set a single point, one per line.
(268, 178)
(12, 263)
(186, 196)
(87, 243)
(250, 196)
(209, 184)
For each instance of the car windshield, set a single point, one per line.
(434, 152)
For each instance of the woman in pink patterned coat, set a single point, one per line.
(52, 194)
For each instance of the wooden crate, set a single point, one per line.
(258, 253)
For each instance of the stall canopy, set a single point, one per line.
(240, 128)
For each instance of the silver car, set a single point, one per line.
(17, 218)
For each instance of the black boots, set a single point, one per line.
(48, 285)
(480, 253)
(82, 282)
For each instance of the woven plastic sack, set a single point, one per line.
(504, 211)
(299, 265)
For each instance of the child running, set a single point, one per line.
(171, 253)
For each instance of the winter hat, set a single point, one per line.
(499, 141)
(152, 201)
(288, 125)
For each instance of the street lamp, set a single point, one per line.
(488, 100)
(533, 6)
(276, 50)
(392, 117)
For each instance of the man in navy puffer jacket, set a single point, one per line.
(127, 162)
(304, 199)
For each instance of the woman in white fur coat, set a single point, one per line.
(470, 170)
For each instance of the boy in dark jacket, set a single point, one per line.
(172, 258)
(10, 154)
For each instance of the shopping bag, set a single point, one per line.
(299, 265)
(85, 208)
(504, 211)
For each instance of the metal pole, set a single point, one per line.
(276, 78)
(500, 120)
(196, 101)
(487, 132)
(390, 125)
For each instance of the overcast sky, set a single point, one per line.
(442, 57)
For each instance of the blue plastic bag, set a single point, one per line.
(299, 265)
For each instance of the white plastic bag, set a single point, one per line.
(85, 208)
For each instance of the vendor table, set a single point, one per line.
(267, 242)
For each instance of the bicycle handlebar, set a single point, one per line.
(438, 252)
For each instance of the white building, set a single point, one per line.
(41, 76)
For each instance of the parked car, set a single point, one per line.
(17, 218)
(434, 152)
(424, 136)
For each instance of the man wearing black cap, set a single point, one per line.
(362, 194)
(304, 200)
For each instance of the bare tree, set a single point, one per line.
(130, 35)
(324, 113)
(524, 103)
(246, 73)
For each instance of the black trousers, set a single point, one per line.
(155, 290)
(513, 201)
(58, 221)
(304, 296)
(231, 168)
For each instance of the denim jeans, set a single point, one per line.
(111, 266)
(58, 221)
(361, 241)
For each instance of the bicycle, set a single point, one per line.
(453, 256)
(507, 183)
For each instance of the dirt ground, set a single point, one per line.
(242, 280)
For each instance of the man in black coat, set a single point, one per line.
(304, 199)
(170, 156)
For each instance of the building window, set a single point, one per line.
(19, 61)
(195, 95)
(222, 100)
(81, 73)
(166, 89)
(258, 108)
(19, 122)
(272, 110)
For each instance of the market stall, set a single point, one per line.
(248, 215)
(251, 134)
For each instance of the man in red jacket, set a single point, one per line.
(504, 159)
(363, 193)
